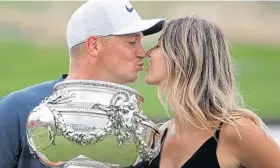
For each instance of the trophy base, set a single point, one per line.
(84, 162)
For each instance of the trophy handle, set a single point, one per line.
(144, 151)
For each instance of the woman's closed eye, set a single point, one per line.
(155, 47)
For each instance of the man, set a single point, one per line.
(104, 41)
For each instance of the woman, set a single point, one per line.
(192, 67)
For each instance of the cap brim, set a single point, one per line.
(147, 27)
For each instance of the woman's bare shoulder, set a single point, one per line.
(252, 146)
(243, 129)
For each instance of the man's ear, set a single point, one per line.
(92, 45)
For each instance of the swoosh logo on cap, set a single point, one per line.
(129, 9)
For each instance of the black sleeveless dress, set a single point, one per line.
(204, 157)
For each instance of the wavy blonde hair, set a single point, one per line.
(200, 86)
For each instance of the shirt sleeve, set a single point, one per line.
(10, 144)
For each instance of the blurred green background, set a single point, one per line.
(24, 64)
(33, 46)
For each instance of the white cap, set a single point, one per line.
(107, 17)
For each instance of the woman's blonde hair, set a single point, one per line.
(200, 86)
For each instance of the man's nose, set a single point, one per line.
(141, 53)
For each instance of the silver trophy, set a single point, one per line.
(91, 124)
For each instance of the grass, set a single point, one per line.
(258, 78)
(23, 64)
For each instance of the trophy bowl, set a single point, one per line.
(86, 123)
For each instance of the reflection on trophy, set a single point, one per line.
(91, 124)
